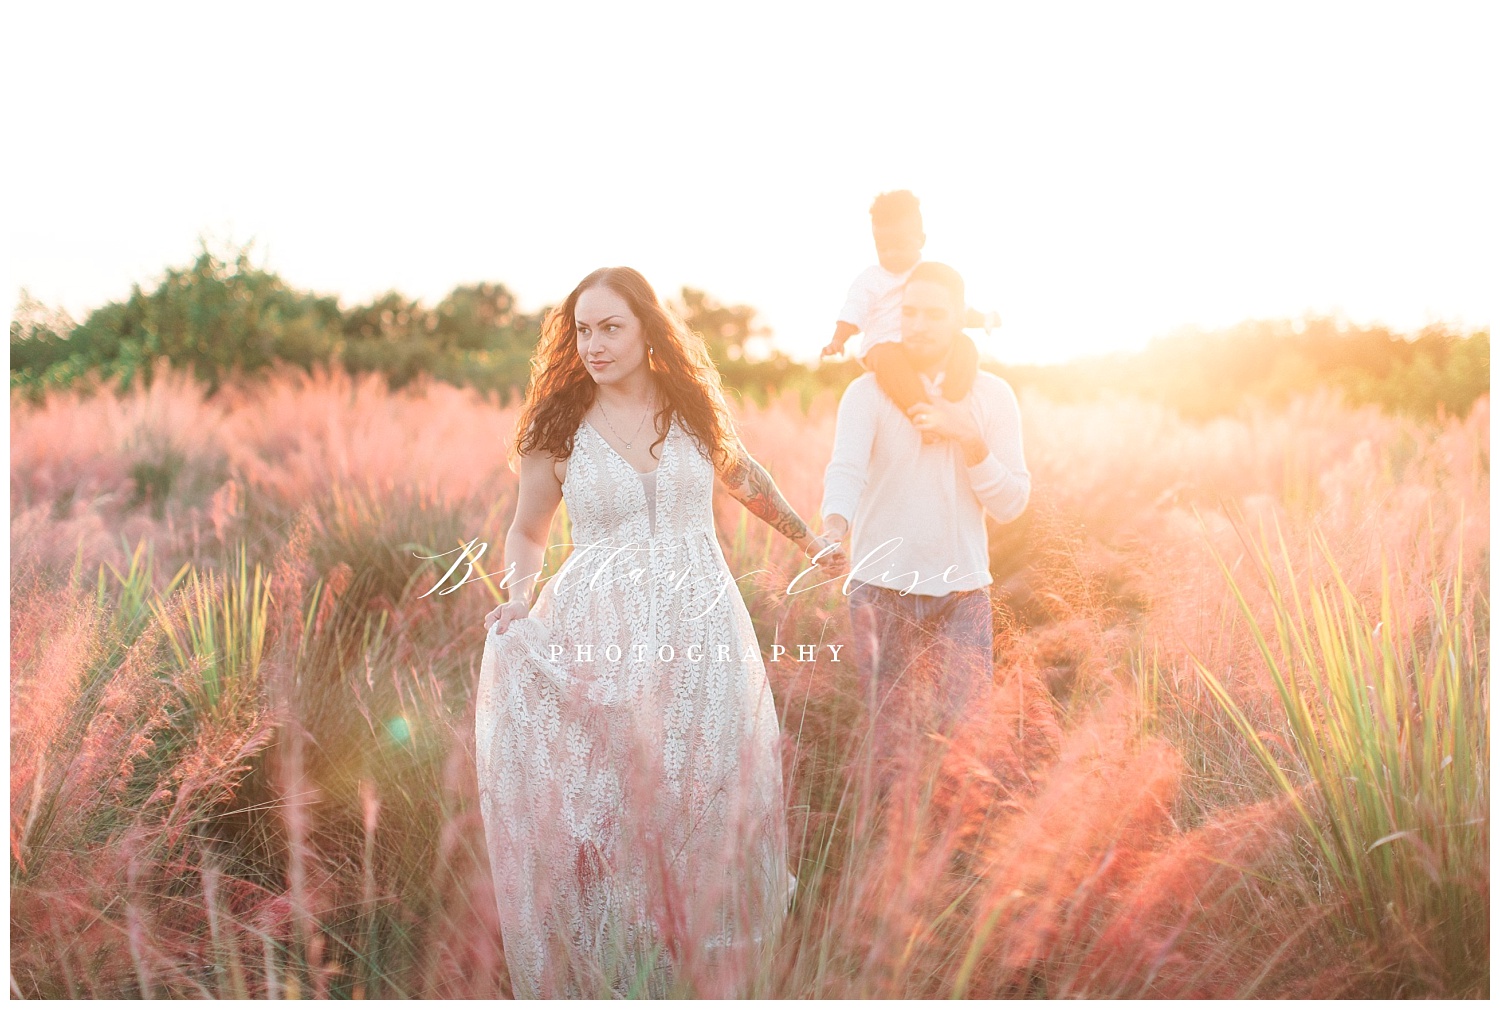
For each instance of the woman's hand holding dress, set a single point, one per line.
(504, 614)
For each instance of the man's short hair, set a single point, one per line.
(941, 274)
(895, 207)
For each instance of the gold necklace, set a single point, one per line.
(628, 444)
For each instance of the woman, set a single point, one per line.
(627, 741)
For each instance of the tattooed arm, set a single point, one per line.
(749, 483)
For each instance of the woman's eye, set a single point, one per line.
(611, 327)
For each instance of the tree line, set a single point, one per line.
(226, 320)
(1203, 374)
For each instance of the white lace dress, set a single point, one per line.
(628, 748)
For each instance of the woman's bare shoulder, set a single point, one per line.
(538, 462)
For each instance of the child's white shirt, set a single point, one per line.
(874, 305)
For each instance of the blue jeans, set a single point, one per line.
(925, 660)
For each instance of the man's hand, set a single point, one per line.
(830, 555)
(951, 420)
(836, 531)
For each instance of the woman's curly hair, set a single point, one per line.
(561, 389)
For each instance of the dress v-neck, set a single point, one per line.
(600, 435)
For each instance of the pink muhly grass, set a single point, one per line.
(54, 642)
(335, 430)
(1037, 848)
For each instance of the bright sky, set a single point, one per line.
(1099, 173)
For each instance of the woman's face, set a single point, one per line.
(611, 340)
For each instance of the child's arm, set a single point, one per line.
(842, 331)
(852, 318)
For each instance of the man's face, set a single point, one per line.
(929, 322)
(898, 244)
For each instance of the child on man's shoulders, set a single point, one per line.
(873, 309)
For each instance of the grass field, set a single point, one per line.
(1238, 746)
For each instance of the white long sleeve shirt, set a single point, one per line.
(916, 512)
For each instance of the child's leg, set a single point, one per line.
(894, 373)
(962, 367)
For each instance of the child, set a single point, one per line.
(874, 307)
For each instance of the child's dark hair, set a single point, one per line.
(894, 207)
(941, 274)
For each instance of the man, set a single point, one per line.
(912, 515)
